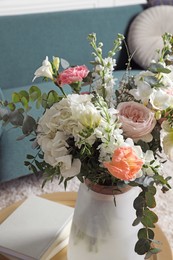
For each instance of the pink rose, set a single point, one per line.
(137, 120)
(125, 164)
(72, 75)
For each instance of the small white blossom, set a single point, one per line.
(45, 70)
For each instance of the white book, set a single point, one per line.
(37, 230)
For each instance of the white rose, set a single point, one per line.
(45, 70)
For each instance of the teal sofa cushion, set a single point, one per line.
(25, 40)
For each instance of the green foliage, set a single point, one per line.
(148, 218)
(158, 68)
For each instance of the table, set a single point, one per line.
(69, 198)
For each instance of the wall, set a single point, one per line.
(9, 7)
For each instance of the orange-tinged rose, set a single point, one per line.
(125, 163)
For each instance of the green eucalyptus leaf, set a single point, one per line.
(151, 80)
(38, 103)
(139, 202)
(34, 92)
(50, 99)
(44, 100)
(16, 118)
(29, 125)
(155, 250)
(11, 106)
(149, 218)
(142, 246)
(15, 97)
(25, 94)
(151, 252)
(148, 255)
(139, 212)
(136, 221)
(145, 233)
(158, 67)
(150, 200)
(152, 190)
(24, 102)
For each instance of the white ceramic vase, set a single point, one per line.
(102, 231)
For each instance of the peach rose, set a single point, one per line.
(125, 164)
(137, 120)
(72, 75)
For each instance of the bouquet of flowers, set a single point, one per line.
(112, 134)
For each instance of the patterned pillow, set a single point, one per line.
(145, 33)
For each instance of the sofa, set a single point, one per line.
(25, 41)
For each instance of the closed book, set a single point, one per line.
(37, 230)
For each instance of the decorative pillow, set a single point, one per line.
(160, 2)
(145, 33)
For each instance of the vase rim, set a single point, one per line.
(107, 190)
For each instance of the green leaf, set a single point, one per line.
(148, 255)
(149, 218)
(145, 233)
(34, 92)
(33, 168)
(29, 156)
(29, 125)
(24, 102)
(139, 212)
(151, 80)
(16, 118)
(139, 202)
(136, 221)
(142, 246)
(38, 103)
(26, 163)
(151, 252)
(24, 93)
(44, 100)
(39, 165)
(15, 97)
(52, 98)
(152, 190)
(11, 106)
(150, 200)
(158, 67)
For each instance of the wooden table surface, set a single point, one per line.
(69, 198)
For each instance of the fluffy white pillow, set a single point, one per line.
(145, 33)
